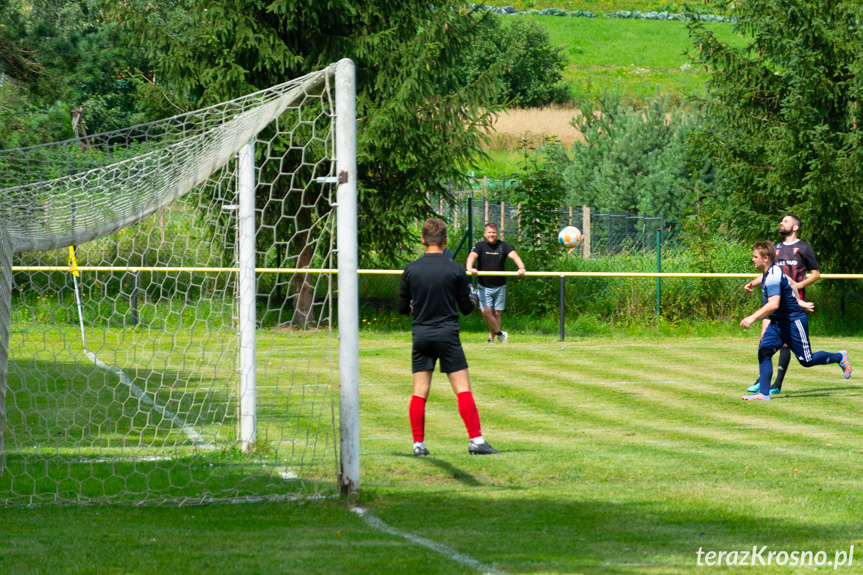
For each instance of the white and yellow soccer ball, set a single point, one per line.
(569, 237)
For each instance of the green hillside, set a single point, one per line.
(640, 57)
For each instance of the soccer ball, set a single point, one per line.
(569, 237)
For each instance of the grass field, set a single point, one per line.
(638, 58)
(592, 5)
(619, 455)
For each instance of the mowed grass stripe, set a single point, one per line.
(629, 472)
(648, 412)
(642, 410)
(664, 397)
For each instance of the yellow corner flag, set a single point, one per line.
(73, 263)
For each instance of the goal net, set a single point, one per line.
(167, 304)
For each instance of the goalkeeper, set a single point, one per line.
(434, 289)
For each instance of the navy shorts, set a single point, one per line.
(795, 334)
(426, 353)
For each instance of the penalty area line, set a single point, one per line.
(448, 552)
(196, 437)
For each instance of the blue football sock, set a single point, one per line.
(765, 372)
(825, 357)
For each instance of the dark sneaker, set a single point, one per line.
(420, 449)
(490, 340)
(481, 449)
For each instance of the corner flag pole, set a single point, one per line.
(73, 268)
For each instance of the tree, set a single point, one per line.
(532, 68)
(59, 55)
(635, 159)
(416, 126)
(535, 67)
(783, 122)
(540, 192)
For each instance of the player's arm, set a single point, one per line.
(771, 306)
(517, 259)
(404, 301)
(471, 260)
(804, 305)
(764, 324)
(752, 284)
(813, 277)
(811, 265)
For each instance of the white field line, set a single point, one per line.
(448, 552)
(196, 437)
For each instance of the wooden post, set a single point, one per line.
(485, 199)
(585, 232)
(519, 221)
(570, 215)
(455, 219)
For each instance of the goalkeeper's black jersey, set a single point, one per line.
(438, 288)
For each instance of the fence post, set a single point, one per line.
(134, 298)
(502, 218)
(658, 279)
(485, 198)
(470, 220)
(585, 224)
(610, 227)
(643, 231)
(519, 221)
(562, 303)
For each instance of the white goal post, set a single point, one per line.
(206, 245)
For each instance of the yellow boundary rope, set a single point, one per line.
(398, 272)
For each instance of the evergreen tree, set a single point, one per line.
(783, 122)
(416, 124)
(635, 159)
(59, 55)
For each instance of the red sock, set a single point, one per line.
(469, 414)
(417, 412)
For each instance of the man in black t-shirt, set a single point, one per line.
(796, 258)
(490, 256)
(435, 289)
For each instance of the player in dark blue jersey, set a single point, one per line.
(434, 289)
(788, 324)
(797, 259)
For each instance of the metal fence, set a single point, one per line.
(605, 233)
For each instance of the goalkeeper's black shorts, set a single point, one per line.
(449, 351)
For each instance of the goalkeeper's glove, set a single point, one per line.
(474, 297)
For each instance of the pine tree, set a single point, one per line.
(784, 119)
(416, 126)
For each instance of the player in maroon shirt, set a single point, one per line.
(796, 258)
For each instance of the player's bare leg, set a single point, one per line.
(492, 320)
